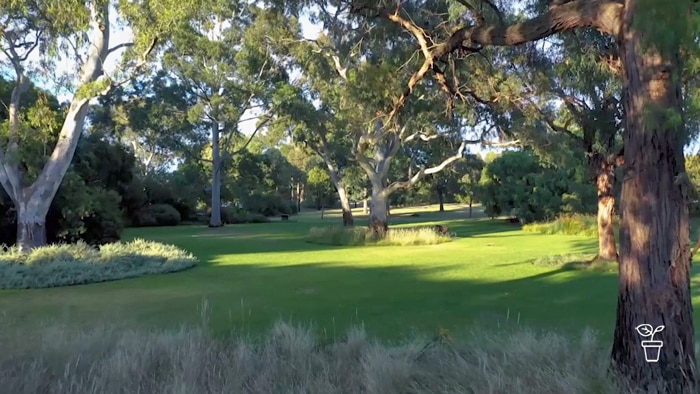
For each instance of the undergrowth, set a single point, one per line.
(358, 236)
(576, 261)
(73, 264)
(108, 359)
(574, 224)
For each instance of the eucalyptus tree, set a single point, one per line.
(655, 38)
(35, 38)
(353, 72)
(225, 62)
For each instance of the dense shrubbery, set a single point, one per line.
(236, 216)
(356, 236)
(518, 184)
(574, 224)
(73, 264)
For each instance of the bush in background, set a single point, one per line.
(74, 264)
(157, 215)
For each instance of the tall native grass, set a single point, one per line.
(571, 224)
(58, 359)
(359, 236)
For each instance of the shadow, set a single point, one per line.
(392, 302)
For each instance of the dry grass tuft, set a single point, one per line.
(57, 359)
(359, 236)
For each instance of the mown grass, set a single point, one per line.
(356, 236)
(75, 264)
(120, 359)
(254, 274)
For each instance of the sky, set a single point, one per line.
(120, 34)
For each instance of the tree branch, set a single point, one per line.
(120, 46)
(394, 186)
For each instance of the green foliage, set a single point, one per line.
(362, 236)
(79, 263)
(518, 184)
(165, 215)
(236, 216)
(569, 224)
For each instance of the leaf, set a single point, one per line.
(659, 329)
(645, 330)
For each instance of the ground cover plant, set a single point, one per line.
(77, 264)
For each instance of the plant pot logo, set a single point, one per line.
(652, 348)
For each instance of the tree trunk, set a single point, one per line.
(378, 216)
(31, 223)
(215, 218)
(365, 206)
(441, 199)
(607, 250)
(470, 207)
(348, 220)
(654, 280)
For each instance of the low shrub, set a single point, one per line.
(165, 215)
(357, 236)
(108, 359)
(235, 216)
(574, 224)
(74, 264)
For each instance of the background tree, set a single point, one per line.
(654, 287)
(80, 32)
(223, 61)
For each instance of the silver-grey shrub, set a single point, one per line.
(75, 264)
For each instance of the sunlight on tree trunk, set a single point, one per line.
(607, 250)
(654, 234)
(348, 220)
(378, 216)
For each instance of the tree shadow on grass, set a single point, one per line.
(391, 301)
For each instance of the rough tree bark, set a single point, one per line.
(215, 217)
(654, 280)
(654, 235)
(33, 200)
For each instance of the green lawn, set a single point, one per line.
(252, 275)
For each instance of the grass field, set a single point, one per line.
(252, 275)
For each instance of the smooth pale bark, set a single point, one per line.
(33, 201)
(379, 215)
(348, 219)
(654, 280)
(215, 218)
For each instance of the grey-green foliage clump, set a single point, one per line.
(75, 264)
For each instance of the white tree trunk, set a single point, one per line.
(215, 218)
(379, 216)
(33, 201)
(348, 219)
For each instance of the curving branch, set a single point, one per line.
(603, 15)
(394, 186)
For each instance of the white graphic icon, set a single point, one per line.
(652, 348)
